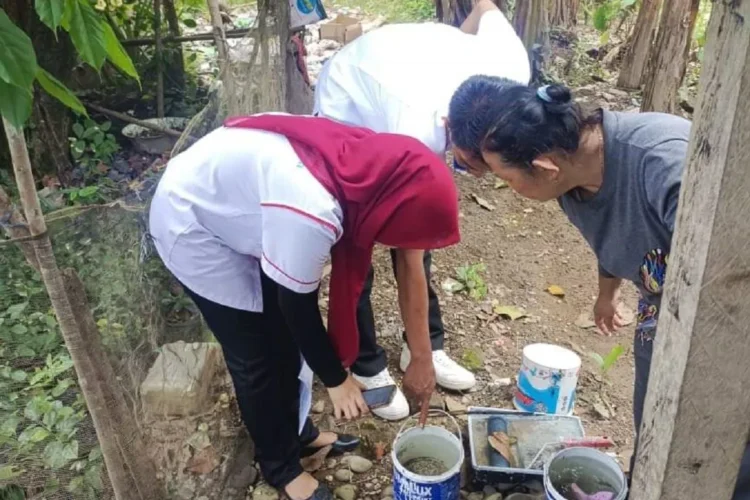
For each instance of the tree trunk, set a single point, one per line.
(14, 224)
(669, 56)
(174, 60)
(563, 13)
(531, 24)
(639, 46)
(88, 369)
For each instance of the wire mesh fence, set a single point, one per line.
(157, 359)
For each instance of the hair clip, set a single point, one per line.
(542, 94)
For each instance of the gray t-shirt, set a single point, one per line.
(630, 221)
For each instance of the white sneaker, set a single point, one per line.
(449, 374)
(399, 407)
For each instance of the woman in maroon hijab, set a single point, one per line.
(247, 218)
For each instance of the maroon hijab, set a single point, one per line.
(392, 189)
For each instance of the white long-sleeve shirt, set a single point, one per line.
(400, 78)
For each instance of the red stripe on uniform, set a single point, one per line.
(325, 223)
(285, 274)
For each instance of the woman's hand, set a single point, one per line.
(347, 399)
(606, 317)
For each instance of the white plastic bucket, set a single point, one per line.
(433, 442)
(592, 470)
(547, 380)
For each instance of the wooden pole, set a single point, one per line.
(15, 226)
(124, 484)
(130, 119)
(200, 37)
(697, 411)
(159, 50)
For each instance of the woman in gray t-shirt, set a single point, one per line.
(616, 176)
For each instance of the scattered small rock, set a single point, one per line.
(436, 402)
(346, 492)
(464, 494)
(489, 490)
(466, 400)
(331, 463)
(357, 464)
(494, 496)
(329, 479)
(454, 406)
(265, 492)
(477, 495)
(502, 382)
(343, 475)
(319, 407)
(387, 492)
(601, 411)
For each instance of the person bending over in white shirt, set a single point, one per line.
(247, 218)
(400, 79)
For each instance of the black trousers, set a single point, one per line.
(264, 363)
(372, 358)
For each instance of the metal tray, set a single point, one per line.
(531, 430)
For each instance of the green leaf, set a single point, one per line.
(612, 357)
(17, 58)
(55, 455)
(16, 310)
(56, 89)
(95, 454)
(88, 191)
(104, 127)
(70, 450)
(78, 130)
(8, 472)
(116, 53)
(61, 387)
(86, 30)
(50, 12)
(19, 329)
(33, 435)
(25, 352)
(190, 23)
(597, 359)
(9, 425)
(18, 375)
(627, 3)
(93, 477)
(601, 18)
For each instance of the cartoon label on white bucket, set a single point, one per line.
(545, 399)
(406, 489)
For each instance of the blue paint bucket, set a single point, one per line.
(432, 443)
(591, 470)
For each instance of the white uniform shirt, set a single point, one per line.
(400, 78)
(236, 200)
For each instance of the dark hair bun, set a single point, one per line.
(560, 99)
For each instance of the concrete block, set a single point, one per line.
(179, 382)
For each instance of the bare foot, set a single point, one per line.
(324, 439)
(302, 487)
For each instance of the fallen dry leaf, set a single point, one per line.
(584, 321)
(500, 184)
(315, 462)
(501, 443)
(555, 290)
(483, 203)
(510, 312)
(451, 285)
(379, 450)
(203, 462)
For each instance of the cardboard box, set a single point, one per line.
(303, 12)
(343, 29)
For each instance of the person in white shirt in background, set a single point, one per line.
(400, 79)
